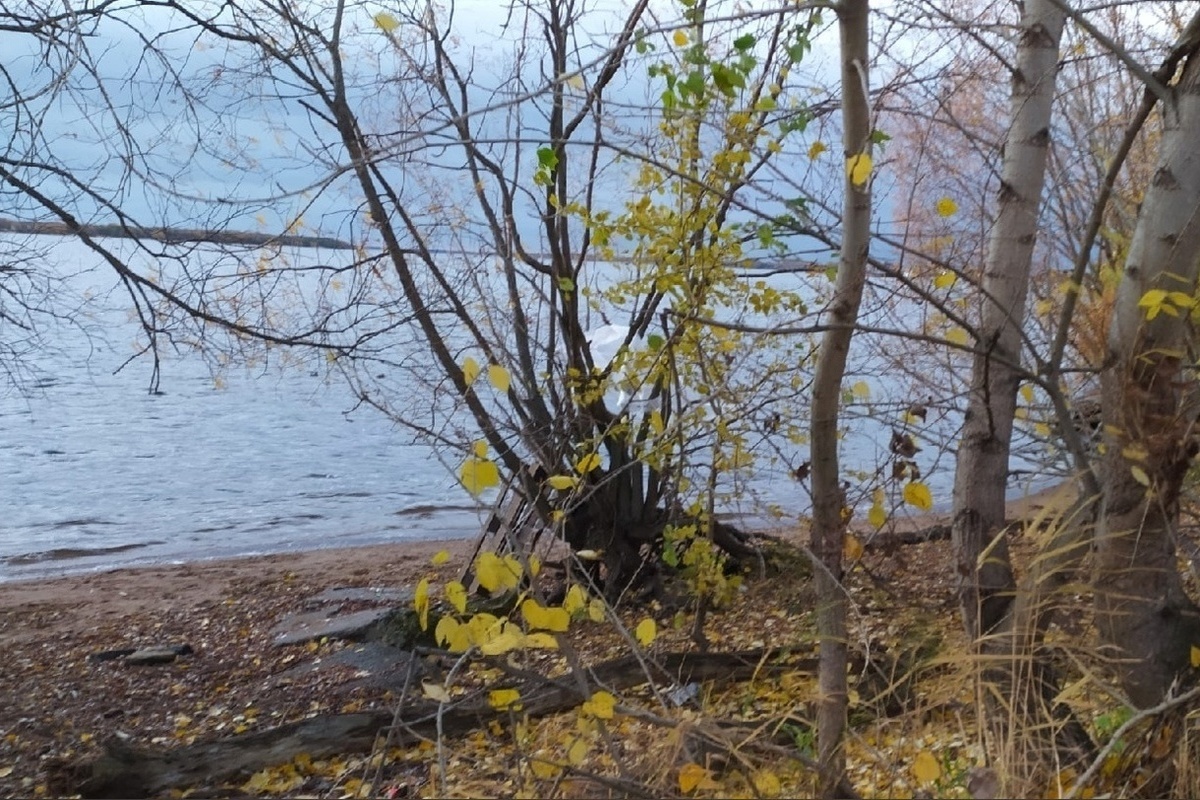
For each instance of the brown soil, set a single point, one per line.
(57, 705)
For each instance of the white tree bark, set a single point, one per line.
(1149, 397)
(829, 525)
(981, 474)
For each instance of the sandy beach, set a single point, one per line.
(83, 603)
(58, 702)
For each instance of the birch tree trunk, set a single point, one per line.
(1149, 397)
(981, 474)
(828, 524)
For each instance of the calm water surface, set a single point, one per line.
(95, 472)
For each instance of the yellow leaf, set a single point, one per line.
(456, 593)
(541, 641)
(441, 557)
(589, 555)
(656, 422)
(680, 38)
(498, 376)
(452, 635)
(852, 548)
(421, 602)
(504, 699)
(482, 626)
(694, 776)
(1196, 656)
(861, 390)
(435, 691)
(596, 610)
(646, 632)
(478, 474)
(1135, 452)
(858, 169)
(946, 207)
(1139, 475)
(957, 336)
(544, 770)
(470, 370)
(917, 494)
(513, 565)
(577, 752)
(1027, 393)
(587, 463)
(600, 706)
(509, 638)
(1041, 429)
(547, 619)
(877, 516)
(926, 768)
(562, 482)
(575, 82)
(575, 601)
(535, 566)
(767, 783)
(944, 280)
(1182, 300)
(497, 574)
(386, 22)
(815, 149)
(480, 449)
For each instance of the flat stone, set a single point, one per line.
(308, 626)
(158, 654)
(376, 665)
(381, 595)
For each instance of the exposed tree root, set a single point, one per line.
(127, 771)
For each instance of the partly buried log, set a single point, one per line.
(123, 770)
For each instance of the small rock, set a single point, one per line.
(111, 655)
(158, 654)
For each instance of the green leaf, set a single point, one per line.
(547, 158)
(694, 84)
(670, 555)
(744, 42)
(655, 342)
(566, 285)
(727, 80)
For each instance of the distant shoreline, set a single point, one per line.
(174, 235)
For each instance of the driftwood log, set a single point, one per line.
(123, 770)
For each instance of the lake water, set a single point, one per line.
(96, 472)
